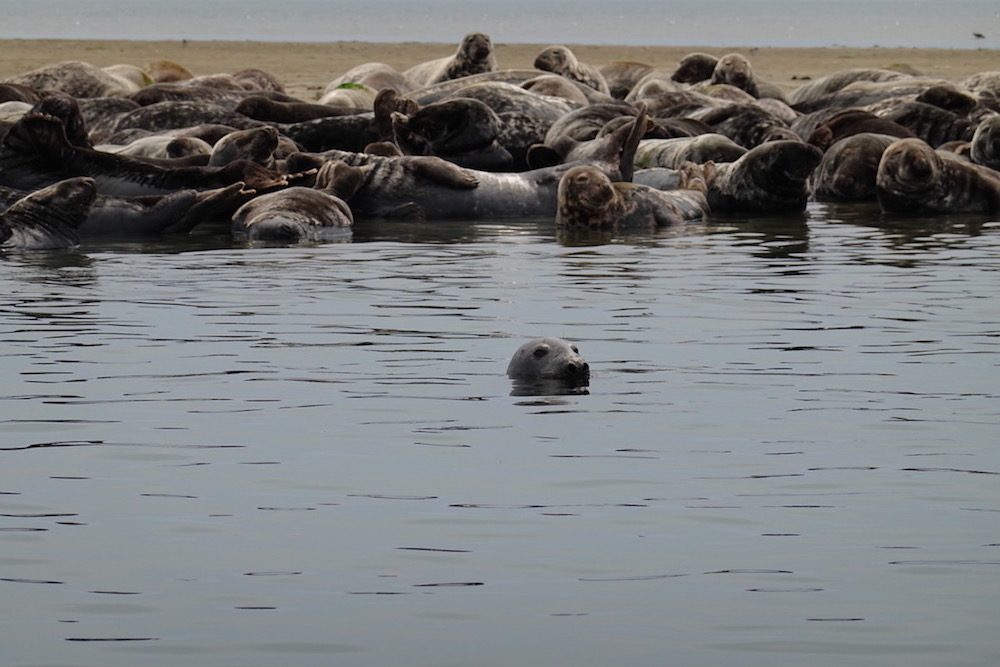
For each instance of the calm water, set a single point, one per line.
(896, 23)
(220, 455)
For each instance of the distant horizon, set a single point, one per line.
(709, 23)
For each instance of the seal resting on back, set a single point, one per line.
(914, 178)
(549, 359)
(47, 219)
(588, 199)
(474, 56)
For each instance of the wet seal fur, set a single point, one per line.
(848, 168)
(299, 214)
(588, 199)
(769, 179)
(549, 359)
(914, 178)
(47, 219)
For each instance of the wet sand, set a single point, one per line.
(306, 68)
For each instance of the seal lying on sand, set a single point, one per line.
(589, 200)
(549, 359)
(914, 178)
(560, 60)
(47, 219)
(474, 56)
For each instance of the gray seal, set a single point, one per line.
(560, 60)
(549, 359)
(588, 199)
(768, 179)
(914, 178)
(47, 219)
(847, 170)
(474, 56)
(985, 149)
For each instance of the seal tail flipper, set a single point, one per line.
(637, 131)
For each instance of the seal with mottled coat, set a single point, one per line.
(47, 219)
(474, 56)
(432, 188)
(848, 168)
(914, 178)
(561, 60)
(768, 179)
(588, 199)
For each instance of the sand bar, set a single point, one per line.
(306, 68)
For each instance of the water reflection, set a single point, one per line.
(549, 387)
(253, 438)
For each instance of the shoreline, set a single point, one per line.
(306, 67)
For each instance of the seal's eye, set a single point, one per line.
(575, 348)
(540, 352)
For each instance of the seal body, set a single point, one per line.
(48, 218)
(474, 56)
(549, 359)
(560, 60)
(914, 178)
(848, 168)
(588, 199)
(292, 215)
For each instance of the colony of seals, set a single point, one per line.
(621, 146)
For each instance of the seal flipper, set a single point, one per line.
(37, 136)
(340, 179)
(386, 103)
(443, 172)
(217, 204)
(636, 133)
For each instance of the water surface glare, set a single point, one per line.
(310, 455)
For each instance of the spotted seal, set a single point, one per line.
(914, 178)
(37, 152)
(561, 60)
(768, 179)
(76, 78)
(429, 187)
(256, 144)
(735, 69)
(588, 199)
(672, 153)
(48, 218)
(474, 56)
(847, 170)
(461, 130)
(548, 359)
(985, 149)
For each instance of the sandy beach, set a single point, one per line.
(305, 68)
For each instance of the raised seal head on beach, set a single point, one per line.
(474, 56)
